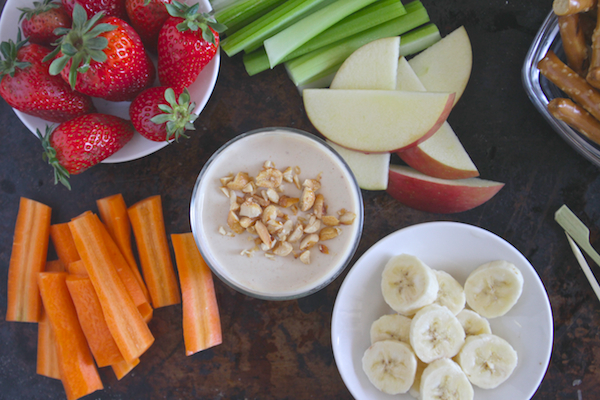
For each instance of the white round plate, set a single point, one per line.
(458, 249)
(138, 146)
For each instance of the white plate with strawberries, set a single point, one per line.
(200, 91)
(457, 249)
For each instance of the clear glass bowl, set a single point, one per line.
(275, 278)
(540, 90)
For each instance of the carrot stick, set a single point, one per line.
(201, 320)
(78, 372)
(63, 243)
(123, 368)
(77, 268)
(131, 333)
(89, 311)
(47, 357)
(127, 276)
(146, 218)
(28, 258)
(113, 212)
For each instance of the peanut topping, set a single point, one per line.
(280, 224)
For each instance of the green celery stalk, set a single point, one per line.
(304, 68)
(283, 43)
(368, 17)
(419, 39)
(254, 34)
(410, 43)
(243, 12)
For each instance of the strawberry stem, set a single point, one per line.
(10, 64)
(178, 114)
(81, 44)
(194, 20)
(60, 173)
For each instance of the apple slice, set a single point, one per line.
(425, 193)
(446, 65)
(376, 121)
(372, 66)
(370, 170)
(441, 156)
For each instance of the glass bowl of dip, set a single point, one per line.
(241, 260)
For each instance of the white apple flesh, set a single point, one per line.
(376, 121)
(372, 66)
(446, 65)
(370, 170)
(422, 192)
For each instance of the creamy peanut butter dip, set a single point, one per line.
(241, 258)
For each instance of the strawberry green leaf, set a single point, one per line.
(60, 172)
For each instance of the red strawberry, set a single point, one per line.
(112, 8)
(103, 57)
(157, 115)
(147, 17)
(27, 85)
(76, 145)
(186, 43)
(38, 23)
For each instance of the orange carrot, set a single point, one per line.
(146, 218)
(127, 276)
(28, 258)
(201, 320)
(113, 212)
(123, 368)
(63, 243)
(77, 268)
(131, 333)
(47, 357)
(78, 372)
(89, 311)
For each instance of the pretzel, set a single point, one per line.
(567, 7)
(571, 83)
(574, 43)
(593, 75)
(576, 117)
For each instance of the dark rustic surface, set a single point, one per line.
(282, 350)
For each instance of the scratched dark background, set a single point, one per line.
(282, 350)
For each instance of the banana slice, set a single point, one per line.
(493, 289)
(473, 323)
(435, 333)
(390, 365)
(391, 327)
(444, 380)
(408, 284)
(450, 293)
(415, 389)
(487, 360)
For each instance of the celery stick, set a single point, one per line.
(288, 40)
(306, 67)
(243, 12)
(254, 34)
(419, 39)
(370, 16)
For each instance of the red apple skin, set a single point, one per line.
(423, 162)
(434, 195)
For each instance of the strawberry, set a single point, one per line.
(186, 43)
(76, 145)
(147, 17)
(38, 23)
(102, 57)
(112, 8)
(157, 115)
(27, 86)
